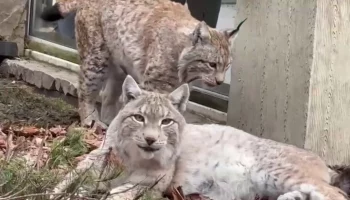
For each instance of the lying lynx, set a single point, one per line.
(223, 163)
(157, 42)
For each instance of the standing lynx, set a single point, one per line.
(157, 42)
(223, 163)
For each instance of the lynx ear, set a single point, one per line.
(201, 33)
(130, 89)
(179, 97)
(231, 35)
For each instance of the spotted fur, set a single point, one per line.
(157, 42)
(220, 162)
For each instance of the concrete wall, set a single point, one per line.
(12, 21)
(290, 76)
(328, 130)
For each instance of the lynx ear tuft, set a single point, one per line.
(232, 35)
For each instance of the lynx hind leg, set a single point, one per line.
(110, 95)
(94, 55)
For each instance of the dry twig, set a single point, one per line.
(38, 195)
(9, 145)
(40, 153)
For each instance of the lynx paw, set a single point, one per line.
(124, 192)
(295, 195)
(89, 121)
(89, 116)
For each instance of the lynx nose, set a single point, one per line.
(218, 82)
(219, 78)
(150, 140)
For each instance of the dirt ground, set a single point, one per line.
(21, 104)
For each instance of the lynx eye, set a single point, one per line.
(167, 121)
(138, 118)
(212, 65)
(201, 61)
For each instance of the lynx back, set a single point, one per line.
(157, 42)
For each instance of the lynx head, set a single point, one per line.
(209, 57)
(149, 126)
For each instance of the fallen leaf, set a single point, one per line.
(99, 131)
(94, 144)
(114, 159)
(80, 158)
(42, 130)
(58, 130)
(4, 127)
(174, 193)
(29, 131)
(47, 149)
(37, 141)
(177, 194)
(2, 143)
(89, 136)
(2, 135)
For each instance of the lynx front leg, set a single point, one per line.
(94, 56)
(91, 166)
(295, 195)
(111, 93)
(126, 192)
(91, 78)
